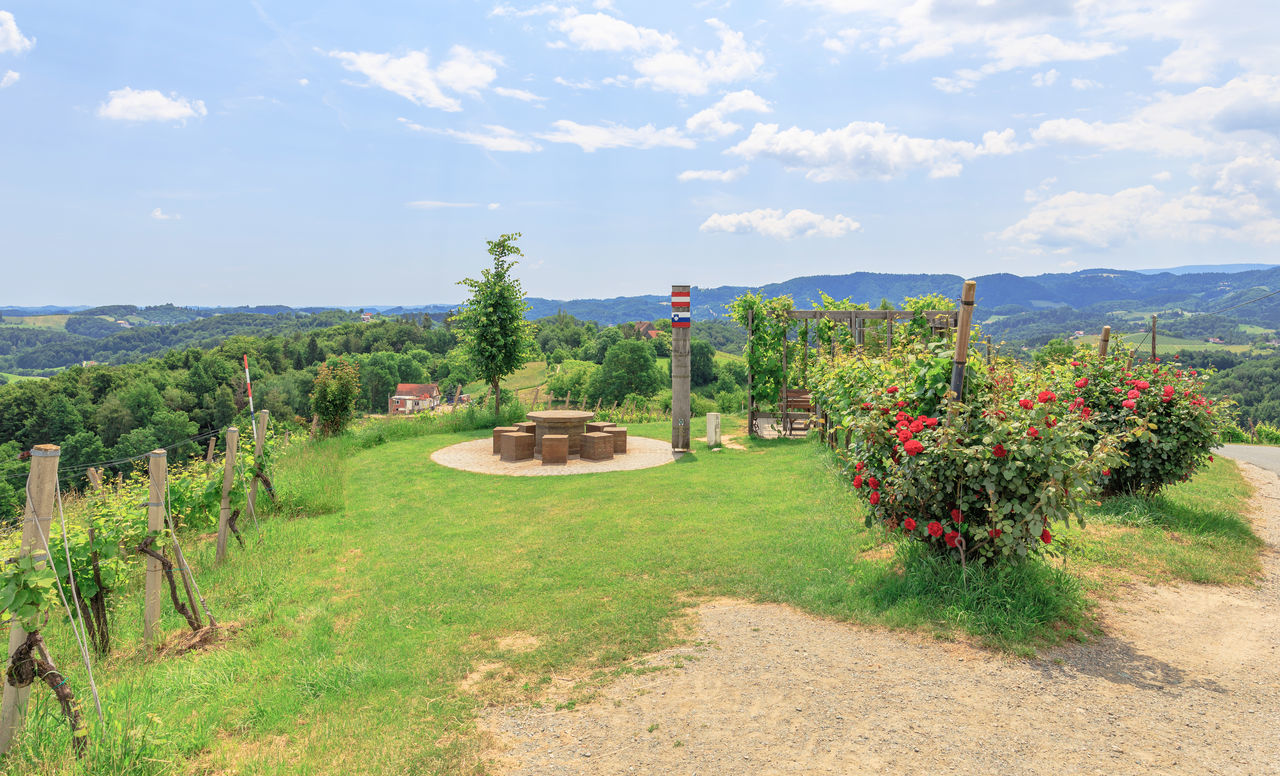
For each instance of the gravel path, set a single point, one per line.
(477, 456)
(1186, 680)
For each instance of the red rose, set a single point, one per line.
(1049, 421)
(1046, 396)
(1166, 399)
(1211, 459)
(1157, 359)
(935, 528)
(999, 452)
(931, 422)
(1033, 432)
(902, 424)
(1045, 536)
(873, 482)
(874, 498)
(1075, 363)
(902, 417)
(1133, 394)
(909, 524)
(994, 533)
(1117, 389)
(917, 426)
(1086, 412)
(1026, 404)
(956, 516)
(1169, 390)
(859, 466)
(1129, 404)
(857, 481)
(1143, 385)
(913, 447)
(1106, 472)
(1082, 382)
(892, 389)
(902, 404)
(866, 405)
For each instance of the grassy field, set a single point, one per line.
(1165, 344)
(528, 377)
(353, 627)
(15, 378)
(39, 321)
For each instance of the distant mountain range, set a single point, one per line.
(1193, 288)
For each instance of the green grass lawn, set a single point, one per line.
(355, 625)
(15, 378)
(529, 376)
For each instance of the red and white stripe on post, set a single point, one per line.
(680, 309)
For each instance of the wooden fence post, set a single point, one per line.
(228, 477)
(533, 405)
(1103, 341)
(961, 357)
(751, 397)
(157, 470)
(37, 517)
(782, 387)
(208, 456)
(1153, 339)
(259, 439)
(804, 358)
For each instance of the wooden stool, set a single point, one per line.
(619, 435)
(527, 427)
(598, 425)
(517, 446)
(497, 437)
(555, 448)
(597, 446)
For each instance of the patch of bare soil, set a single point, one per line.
(1186, 679)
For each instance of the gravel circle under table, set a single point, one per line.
(477, 456)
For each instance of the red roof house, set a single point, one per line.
(413, 397)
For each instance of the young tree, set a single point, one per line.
(492, 330)
(334, 395)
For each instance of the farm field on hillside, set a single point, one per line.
(367, 639)
(58, 322)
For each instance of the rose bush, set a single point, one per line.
(984, 480)
(1166, 426)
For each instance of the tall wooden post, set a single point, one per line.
(681, 409)
(157, 470)
(208, 456)
(1153, 339)
(889, 337)
(1103, 341)
(751, 397)
(37, 517)
(782, 386)
(860, 332)
(228, 477)
(961, 357)
(259, 439)
(804, 358)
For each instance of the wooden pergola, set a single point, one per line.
(940, 321)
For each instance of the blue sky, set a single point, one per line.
(338, 153)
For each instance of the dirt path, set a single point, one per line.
(1187, 680)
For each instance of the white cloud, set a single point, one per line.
(1162, 176)
(1080, 84)
(11, 38)
(695, 72)
(1046, 78)
(711, 121)
(718, 176)
(841, 42)
(433, 204)
(494, 205)
(303, 82)
(540, 9)
(575, 84)
(412, 77)
(10, 78)
(594, 137)
(149, 105)
(1249, 175)
(774, 223)
(866, 150)
(498, 138)
(602, 32)
(1101, 221)
(1121, 136)
(517, 94)
(160, 215)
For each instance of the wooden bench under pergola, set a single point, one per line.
(795, 405)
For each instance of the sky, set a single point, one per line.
(326, 153)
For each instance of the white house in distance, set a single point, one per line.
(413, 397)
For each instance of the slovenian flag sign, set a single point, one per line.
(680, 309)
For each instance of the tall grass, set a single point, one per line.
(469, 417)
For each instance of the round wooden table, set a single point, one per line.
(571, 423)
